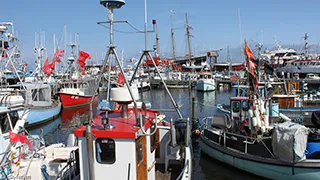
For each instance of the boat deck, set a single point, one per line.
(172, 173)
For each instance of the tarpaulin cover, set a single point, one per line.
(289, 141)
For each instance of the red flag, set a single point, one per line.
(59, 53)
(53, 64)
(120, 79)
(83, 56)
(247, 51)
(19, 138)
(47, 68)
(252, 67)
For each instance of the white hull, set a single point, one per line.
(206, 85)
(265, 169)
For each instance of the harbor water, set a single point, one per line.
(204, 166)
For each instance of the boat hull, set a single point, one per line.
(73, 101)
(41, 115)
(206, 85)
(263, 169)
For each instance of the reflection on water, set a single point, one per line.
(204, 166)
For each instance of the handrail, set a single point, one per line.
(71, 163)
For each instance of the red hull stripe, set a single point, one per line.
(69, 100)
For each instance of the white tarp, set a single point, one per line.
(289, 138)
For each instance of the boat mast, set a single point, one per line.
(157, 41)
(229, 59)
(65, 48)
(172, 38)
(188, 36)
(259, 55)
(305, 37)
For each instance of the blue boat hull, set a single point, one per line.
(41, 115)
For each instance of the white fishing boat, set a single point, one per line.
(206, 82)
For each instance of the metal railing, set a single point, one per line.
(70, 170)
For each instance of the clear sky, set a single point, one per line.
(215, 23)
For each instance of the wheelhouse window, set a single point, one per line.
(236, 106)
(139, 151)
(105, 151)
(5, 123)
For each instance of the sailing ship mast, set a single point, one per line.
(172, 38)
(188, 37)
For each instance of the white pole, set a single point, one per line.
(145, 25)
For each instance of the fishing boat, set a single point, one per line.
(255, 139)
(206, 82)
(76, 93)
(77, 89)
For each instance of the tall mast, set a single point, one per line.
(157, 40)
(65, 48)
(188, 36)
(229, 60)
(305, 37)
(172, 38)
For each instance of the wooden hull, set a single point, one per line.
(72, 101)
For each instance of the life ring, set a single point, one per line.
(242, 127)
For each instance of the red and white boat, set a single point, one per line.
(76, 93)
(126, 145)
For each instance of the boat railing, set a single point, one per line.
(70, 170)
(186, 167)
(247, 139)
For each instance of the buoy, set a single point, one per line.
(254, 121)
(258, 121)
(266, 121)
(250, 112)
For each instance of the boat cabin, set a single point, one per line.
(205, 75)
(128, 147)
(37, 94)
(83, 87)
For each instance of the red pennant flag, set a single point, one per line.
(47, 68)
(247, 51)
(252, 67)
(53, 64)
(19, 138)
(120, 79)
(59, 53)
(83, 56)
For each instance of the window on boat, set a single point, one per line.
(4, 121)
(105, 151)
(154, 140)
(235, 106)
(139, 151)
(245, 105)
(301, 64)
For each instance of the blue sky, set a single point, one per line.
(215, 23)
